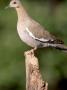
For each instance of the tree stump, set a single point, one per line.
(34, 79)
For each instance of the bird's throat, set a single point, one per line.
(21, 12)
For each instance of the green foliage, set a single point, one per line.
(4, 3)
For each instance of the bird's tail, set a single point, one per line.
(59, 46)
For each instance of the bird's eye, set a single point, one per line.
(14, 2)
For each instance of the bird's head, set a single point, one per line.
(15, 3)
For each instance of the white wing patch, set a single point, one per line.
(41, 39)
(30, 33)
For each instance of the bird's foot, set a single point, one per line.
(31, 52)
(34, 49)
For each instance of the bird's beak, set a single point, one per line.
(7, 7)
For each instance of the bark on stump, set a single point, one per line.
(34, 79)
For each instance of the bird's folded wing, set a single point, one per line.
(42, 39)
(37, 32)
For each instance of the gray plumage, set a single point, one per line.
(31, 32)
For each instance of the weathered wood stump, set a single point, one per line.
(34, 79)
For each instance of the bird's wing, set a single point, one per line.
(36, 31)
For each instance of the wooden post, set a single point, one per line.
(34, 79)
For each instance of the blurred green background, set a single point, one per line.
(52, 14)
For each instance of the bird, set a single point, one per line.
(32, 32)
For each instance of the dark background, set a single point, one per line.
(52, 14)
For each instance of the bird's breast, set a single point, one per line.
(25, 37)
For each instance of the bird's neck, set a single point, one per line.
(21, 12)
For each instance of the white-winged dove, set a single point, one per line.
(31, 32)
